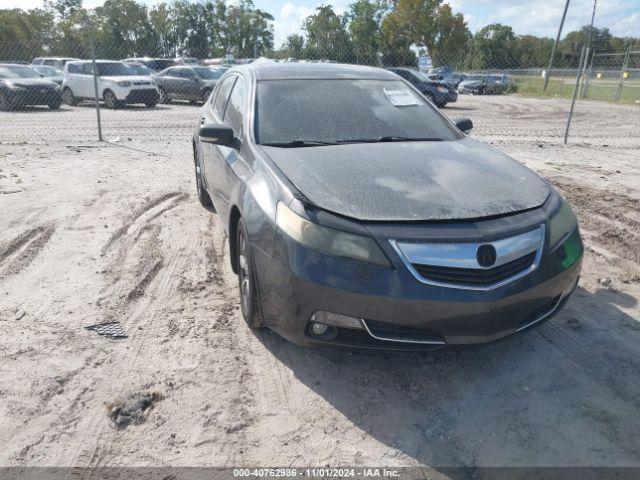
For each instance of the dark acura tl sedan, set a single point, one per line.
(358, 215)
(21, 86)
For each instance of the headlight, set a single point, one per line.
(561, 224)
(124, 83)
(328, 240)
(15, 86)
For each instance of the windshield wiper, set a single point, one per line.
(391, 138)
(299, 143)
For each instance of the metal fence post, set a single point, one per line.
(95, 87)
(583, 55)
(625, 64)
(587, 77)
(555, 45)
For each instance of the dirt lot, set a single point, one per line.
(111, 233)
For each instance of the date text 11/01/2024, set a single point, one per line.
(316, 472)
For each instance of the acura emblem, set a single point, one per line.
(486, 255)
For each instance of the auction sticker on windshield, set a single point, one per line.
(400, 98)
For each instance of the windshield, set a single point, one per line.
(115, 69)
(48, 71)
(333, 111)
(17, 71)
(474, 78)
(420, 76)
(141, 70)
(208, 73)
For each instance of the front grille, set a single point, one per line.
(476, 276)
(360, 338)
(142, 83)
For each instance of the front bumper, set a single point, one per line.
(295, 282)
(35, 96)
(142, 95)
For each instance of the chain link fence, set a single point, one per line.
(106, 93)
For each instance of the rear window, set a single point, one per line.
(336, 110)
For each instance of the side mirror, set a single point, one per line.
(464, 124)
(217, 135)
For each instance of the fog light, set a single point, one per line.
(318, 328)
(337, 320)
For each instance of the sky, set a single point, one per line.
(525, 16)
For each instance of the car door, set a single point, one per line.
(190, 85)
(171, 82)
(215, 157)
(84, 80)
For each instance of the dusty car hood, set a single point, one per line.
(411, 181)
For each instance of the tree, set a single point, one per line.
(415, 21)
(533, 52)
(364, 19)
(123, 29)
(494, 47)
(451, 39)
(294, 46)
(63, 9)
(395, 44)
(327, 37)
(24, 35)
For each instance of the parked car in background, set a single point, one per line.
(57, 62)
(485, 84)
(21, 86)
(439, 73)
(141, 69)
(155, 64)
(118, 84)
(358, 215)
(50, 73)
(440, 93)
(187, 61)
(187, 83)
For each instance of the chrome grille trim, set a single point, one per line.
(463, 255)
(543, 316)
(396, 340)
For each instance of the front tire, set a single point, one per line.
(249, 300)
(6, 105)
(203, 195)
(205, 94)
(164, 97)
(110, 100)
(54, 104)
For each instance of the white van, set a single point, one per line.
(118, 85)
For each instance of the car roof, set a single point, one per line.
(281, 71)
(97, 61)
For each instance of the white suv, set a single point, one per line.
(56, 62)
(118, 85)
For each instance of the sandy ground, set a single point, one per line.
(112, 234)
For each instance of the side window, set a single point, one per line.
(74, 68)
(49, 62)
(87, 69)
(222, 96)
(235, 108)
(187, 73)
